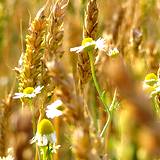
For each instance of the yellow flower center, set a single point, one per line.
(45, 127)
(151, 79)
(86, 40)
(28, 90)
(90, 46)
(150, 76)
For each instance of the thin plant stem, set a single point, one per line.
(100, 92)
(111, 108)
(44, 151)
(106, 125)
(48, 152)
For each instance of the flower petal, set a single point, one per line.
(100, 44)
(44, 140)
(51, 113)
(29, 95)
(18, 95)
(38, 89)
(55, 104)
(77, 49)
(53, 137)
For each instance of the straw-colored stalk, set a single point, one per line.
(90, 30)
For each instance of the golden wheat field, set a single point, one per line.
(79, 80)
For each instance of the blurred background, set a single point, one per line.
(130, 25)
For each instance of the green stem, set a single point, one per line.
(48, 152)
(100, 92)
(44, 153)
(106, 125)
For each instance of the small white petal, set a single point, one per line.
(38, 89)
(18, 95)
(44, 140)
(77, 49)
(51, 113)
(55, 104)
(53, 137)
(100, 44)
(29, 95)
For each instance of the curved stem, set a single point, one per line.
(100, 92)
(106, 125)
(94, 74)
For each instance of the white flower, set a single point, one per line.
(88, 44)
(45, 133)
(28, 92)
(52, 110)
(43, 140)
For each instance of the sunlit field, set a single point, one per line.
(79, 80)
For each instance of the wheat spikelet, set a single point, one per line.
(55, 35)
(54, 38)
(90, 30)
(53, 44)
(31, 61)
(90, 27)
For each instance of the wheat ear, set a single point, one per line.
(31, 66)
(90, 30)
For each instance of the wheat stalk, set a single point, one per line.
(90, 30)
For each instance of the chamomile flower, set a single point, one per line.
(28, 92)
(52, 109)
(88, 44)
(45, 133)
